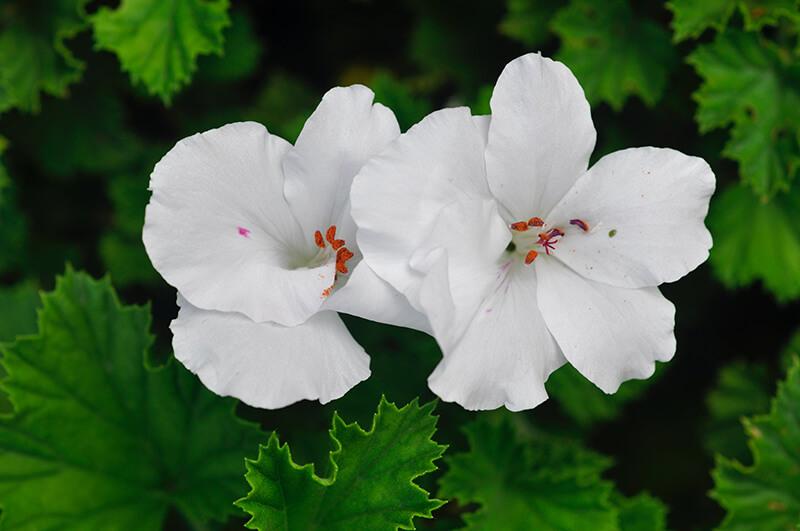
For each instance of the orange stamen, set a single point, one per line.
(342, 256)
(530, 257)
(318, 239)
(331, 237)
(536, 222)
(519, 226)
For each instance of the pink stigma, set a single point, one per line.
(244, 232)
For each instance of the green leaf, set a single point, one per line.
(545, 484)
(528, 21)
(742, 389)
(753, 85)
(96, 441)
(18, 306)
(400, 97)
(370, 481)
(766, 496)
(158, 41)
(691, 18)
(34, 57)
(284, 105)
(757, 239)
(85, 133)
(636, 54)
(243, 50)
(640, 513)
(587, 404)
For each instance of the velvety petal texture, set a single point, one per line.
(645, 208)
(265, 364)
(540, 138)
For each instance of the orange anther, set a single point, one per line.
(330, 235)
(343, 255)
(519, 226)
(318, 240)
(536, 222)
(530, 257)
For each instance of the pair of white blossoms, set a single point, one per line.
(489, 232)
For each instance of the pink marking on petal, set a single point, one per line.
(244, 232)
(488, 310)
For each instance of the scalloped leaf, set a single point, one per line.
(636, 54)
(766, 496)
(158, 41)
(753, 85)
(370, 484)
(757, 239)
(33, 55)
(96, 441)
(742, 388)
(528, 21)
(691, 18)
(546, 484)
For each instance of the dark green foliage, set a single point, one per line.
(750, 84)
(757, 239)
(766, 496)
(158, 41)
(34, 56)
(635, 54)
(369, 482)
(539, 482)
(96, 441)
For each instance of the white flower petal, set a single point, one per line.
(345, 131)
(540, 138)
(368, 296)
(265, 364)
(505, 354)
(654, 200)
(218, 228)
(471, 237)
(609, 334)
(398, 195)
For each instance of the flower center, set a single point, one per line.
(343, 254)
(546, 238)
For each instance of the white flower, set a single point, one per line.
(257, 237)
(522, 258)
